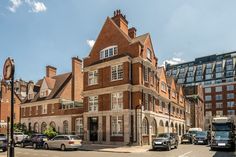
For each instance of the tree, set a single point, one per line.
(50, 132)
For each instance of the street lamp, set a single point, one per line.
(8, 74)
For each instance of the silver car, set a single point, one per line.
(63, 142)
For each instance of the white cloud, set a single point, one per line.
(90, 43)
(35, 6)
(14, 5)
(38, 7)
(172, 61)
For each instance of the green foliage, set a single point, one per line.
(19, 127)
(50, 132)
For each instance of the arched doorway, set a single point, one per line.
(36, 127)
(154, 127)
(166, 126)
(43, 127)
(172, 127)
(145, 131)
(53, 125)
(183, 129)
(180, 129)
(161, 127)
(176, 128)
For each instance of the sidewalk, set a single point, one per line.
(115, 149)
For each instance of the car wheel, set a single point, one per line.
(4, 149)
(176, 146)
(22, 145)
(46, 146)
(63, 147)
(169, 147)
(35, 146)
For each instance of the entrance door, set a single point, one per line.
(93, 134)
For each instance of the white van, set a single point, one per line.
(192, 131)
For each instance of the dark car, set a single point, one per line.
(3, 142)
(186, 138)
(201, 137)
(35, 140)
(223, 139)
(165, 141)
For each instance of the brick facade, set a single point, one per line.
(142, 110)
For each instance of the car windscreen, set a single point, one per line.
(74, 138)
(222, 135)
(201, 133)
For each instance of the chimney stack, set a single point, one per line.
(120, 21)
(77, 79)
(132, 32)
(51, 71)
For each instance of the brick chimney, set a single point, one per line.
(132, 32)
(77, 79)
(50, 71)
(120, 21)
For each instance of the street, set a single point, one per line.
(182, 151)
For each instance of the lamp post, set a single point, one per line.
(8, 74)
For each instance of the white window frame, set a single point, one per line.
(117, 125)
(79, 126)
(116, 73)
(109, 52)
(93, 77)
(229, 111)
(148, 53)
(93, 103)
(117, 101)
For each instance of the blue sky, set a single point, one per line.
(37, 33)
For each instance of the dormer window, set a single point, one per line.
(43, 93)
(148, 54)
(108, 52)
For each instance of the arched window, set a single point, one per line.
(145, 126)
(154, 127)
(53, 125)
(43, 127)
(161, 123)
(65, 127)
(108, 52)
(36, 127)
(79, 126)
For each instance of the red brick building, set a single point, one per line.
(55, 101)
(5, 106)
(126, 96)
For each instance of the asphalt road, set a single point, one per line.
(182, 151)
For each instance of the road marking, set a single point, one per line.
(183, 155)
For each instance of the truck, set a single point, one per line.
(222, 132)
(19, 137)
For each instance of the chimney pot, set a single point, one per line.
(120, 21)
(132, 32)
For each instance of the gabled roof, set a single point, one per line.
(60, 81)
(140, 38)
(50, 82)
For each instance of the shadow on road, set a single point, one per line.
(225, 153)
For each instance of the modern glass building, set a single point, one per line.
(216, 73)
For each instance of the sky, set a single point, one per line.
(37, 33)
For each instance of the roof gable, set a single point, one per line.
(108, 36)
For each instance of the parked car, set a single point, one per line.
(186, 138)
(165, 141)
(63, 142)
(18, 137)
(35, 140)
(201, 137)
(3, 142)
